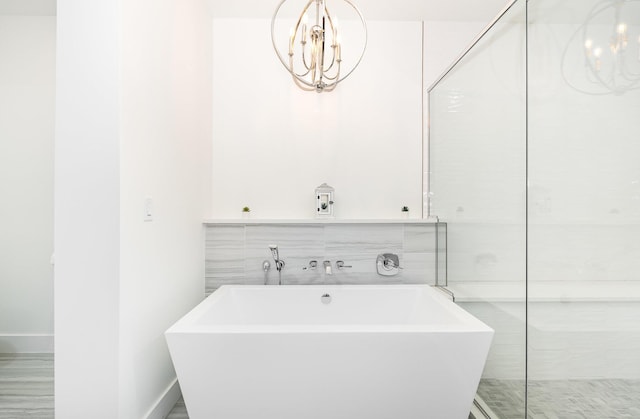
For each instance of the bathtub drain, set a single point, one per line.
(326, 298)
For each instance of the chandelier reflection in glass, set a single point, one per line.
(314, 56)
(612, 50)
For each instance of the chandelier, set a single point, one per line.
(315, 46)
(611, 48)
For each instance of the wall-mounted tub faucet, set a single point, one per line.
(276, 258)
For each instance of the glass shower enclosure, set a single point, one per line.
(534, 164)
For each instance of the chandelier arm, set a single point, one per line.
(629, 75)
(334, 42)
(593, 72)
(300, 75)
(588, 69)
(333, 60)
(292, 70)
(336, 76)
(304, 41)
(304, 60)
(366, 39)
(330, 87)
(632, 77)
(273, 38)
(333, 85)
(601, 80)
(299, 78)
(304, 87)
(313, 66)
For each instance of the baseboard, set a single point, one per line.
(165, 402)
(26, 344)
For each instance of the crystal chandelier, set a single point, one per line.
(314, 57)
(611, 50)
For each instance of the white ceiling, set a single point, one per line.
(458, 10)
(428, 10)
(559, 11)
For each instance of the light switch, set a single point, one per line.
(148, 209)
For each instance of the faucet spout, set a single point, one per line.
(327, 267)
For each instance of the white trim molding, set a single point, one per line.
(26, 343)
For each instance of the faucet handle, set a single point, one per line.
(313, 264)
(388, 264)
(340, 264)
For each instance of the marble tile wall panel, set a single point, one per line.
(235, 253)
(297, 244)
(442, 277)
(224, 256)
(358, 246)
(420, 253)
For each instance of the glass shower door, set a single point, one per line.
(584, 208)
(477, 169)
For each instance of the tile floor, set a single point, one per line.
(26, 391)
(180, 412)
(563, 399)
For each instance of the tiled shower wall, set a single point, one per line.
(235, 252)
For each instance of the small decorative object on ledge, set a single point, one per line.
(324, 201)
(246, 212)
(405, 212)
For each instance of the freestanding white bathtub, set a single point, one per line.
(365, 352)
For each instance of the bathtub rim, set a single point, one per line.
(188, 323)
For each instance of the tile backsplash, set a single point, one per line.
(235, 252)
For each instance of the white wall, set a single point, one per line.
(27, 95)
(165, 148)
(133, 121)
(274, 143)
(443, 43)
(87, 209)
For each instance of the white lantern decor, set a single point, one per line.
(324, 201)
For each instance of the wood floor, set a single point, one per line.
(179, 411)
(26, 386)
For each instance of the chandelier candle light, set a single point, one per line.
(315, 47)
(615, 71)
